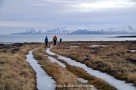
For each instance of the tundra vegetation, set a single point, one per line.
(15, 72)
(68, 75)
(117, 58)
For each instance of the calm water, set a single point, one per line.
(40, 38)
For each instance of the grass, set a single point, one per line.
(69, 74)
(61, 75)
(98, 83)
(15, 72)
(113, 59)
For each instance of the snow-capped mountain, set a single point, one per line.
(57, 31)
(123, 30)
(63, 31)
(120, 30)
(87, 31)
(30, 32)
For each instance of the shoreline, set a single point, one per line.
(66, 41)
(126, 36)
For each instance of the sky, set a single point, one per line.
(20, 15)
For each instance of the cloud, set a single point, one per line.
(39, 4)
(85, 5)
(1, 3)
(85, 1)
(103, 5)
(19, 24)
(37, 13)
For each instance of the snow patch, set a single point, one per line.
(73, 46)
(53, 60)
(82, 80)
(94, 46)
(119, 84)
(132, 51)
(44, 82)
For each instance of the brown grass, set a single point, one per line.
(61, 75)
(113, 59)
(98, 83)
(15, 72)
(79, 72)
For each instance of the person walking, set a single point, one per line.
(46, 41)
(60, 40)
(55, 39)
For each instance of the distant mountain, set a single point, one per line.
(86, 31)
(30, 32)
(121, 30)
(56, 31)
(63, 31)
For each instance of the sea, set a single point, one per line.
(40, 38)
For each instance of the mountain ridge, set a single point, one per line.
(60, 31)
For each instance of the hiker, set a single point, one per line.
(60, 40)
(46, 41)
(55, 39)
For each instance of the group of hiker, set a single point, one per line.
(54, 40)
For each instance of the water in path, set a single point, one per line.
(44, 82)
(119, 84)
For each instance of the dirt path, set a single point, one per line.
(44, 82)
(119, 84)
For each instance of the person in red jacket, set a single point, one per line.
(55, 39)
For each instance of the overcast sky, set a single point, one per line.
(24, 14)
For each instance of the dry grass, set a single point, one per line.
(15, 72)
(115, 59)
(98, 83)
(61, 75)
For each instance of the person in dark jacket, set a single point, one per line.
(55, 39)
(60, 40)
(46, 41)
